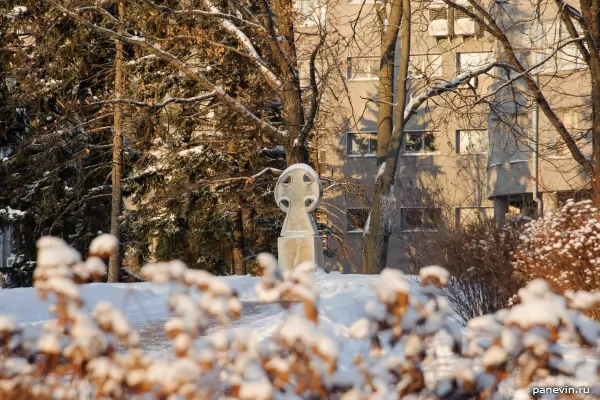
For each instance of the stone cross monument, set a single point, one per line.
(298, 193)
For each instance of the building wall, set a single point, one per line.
(443, 175)
(459, 181)
(564, 80)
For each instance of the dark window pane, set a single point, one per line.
(414, 142)
(421, 218)
(359, 144)
(373, 146)
(429, 142)
(431, 217)
(411, 218)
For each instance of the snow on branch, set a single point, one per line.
(573, 12)
(220, 92)
(246, 43)
(205, 13)
(530, 69)
(9, 214)
(267, 171)
(177, 100)
(415, 101)
(273, 171)
(144, 58)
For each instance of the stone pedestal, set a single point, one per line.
(293, 250)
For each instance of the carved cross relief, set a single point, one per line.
(298, 193)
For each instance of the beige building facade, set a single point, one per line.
(482, 150)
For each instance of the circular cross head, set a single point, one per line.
(298, 184)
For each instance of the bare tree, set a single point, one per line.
(576, 29)
(527, 77)
(399, 104)
(265, 33)
(376, 237)
(114, 265)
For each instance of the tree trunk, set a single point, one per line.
(238, 242)
(296, 153)
(590, 10)
(385, 106)
(379, 226)
(293, 121)
(595, 179)
(114, 264)
(376, 236)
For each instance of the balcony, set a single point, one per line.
(464, 27)
(439, 28)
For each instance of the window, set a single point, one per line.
(472, 141)
(438, 21)
(467, 61)
(304, 72)
(519, 140)
(459, 14)
(421, 65)
(512, 139)
(356, 219)
(363, 68)
(577, 123)
(577, 195)
(420, 218)
(473, 215)
(525, 57)
(310, 12)
(419, 142)
(438, 13)
(464, 25)
(555, 33)
(470, 61)
(362, 143)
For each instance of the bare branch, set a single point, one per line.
(217, 13)
(488, 22)
(170, 100)
(206, 84)
(246, 43)
(528, 70)
(273, 38)
(273, 171)
(416, 101)
(573, 12)
(566, 15)
(314, 97)
(219, 184)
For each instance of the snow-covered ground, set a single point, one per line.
(342, 302)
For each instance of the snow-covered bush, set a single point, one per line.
(408, 334)
(563, 248)
(478, 256)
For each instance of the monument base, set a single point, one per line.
(293, 250)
